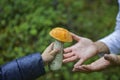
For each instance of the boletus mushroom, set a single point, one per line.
(61, 36)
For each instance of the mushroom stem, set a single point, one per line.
(57, 62)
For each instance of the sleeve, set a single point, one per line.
(113, 40)
(26, 68)
(118, 18)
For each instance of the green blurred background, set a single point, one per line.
(25, 26)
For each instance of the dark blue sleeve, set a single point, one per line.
(26, 68)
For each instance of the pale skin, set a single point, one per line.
(85, 49)
(49, 53)
(100, 64)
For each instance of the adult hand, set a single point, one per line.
(98, 65)
(49, 54)
(82, 50)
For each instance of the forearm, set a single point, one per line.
(31, 66)
(26, 68)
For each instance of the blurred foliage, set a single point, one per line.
(25, 26)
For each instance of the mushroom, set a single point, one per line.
(60, 35)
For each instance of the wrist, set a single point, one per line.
(102, 47)
(43, 58)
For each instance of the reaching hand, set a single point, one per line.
(82, 50)
(49, 54)
(98, 65)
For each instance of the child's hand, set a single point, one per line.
(49, 54)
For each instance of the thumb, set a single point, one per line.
(75, 37)
(78, 63)
(54, 52)
(51, 46)
(111, 57)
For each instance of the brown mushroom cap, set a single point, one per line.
(61, 34)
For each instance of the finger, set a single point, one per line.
(83, 68)
(54, 52)
(75, 37)
(68, 55)
(90, 68)
(66, 50)
(70, 59)
(79, 63)
(77, 69)
(74, 69)
(87, 67)
(110, 58)
(50, 47)
(80, 69)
